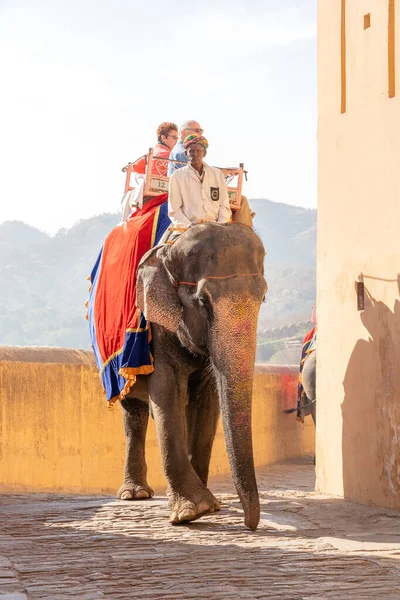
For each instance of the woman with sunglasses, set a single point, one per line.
(167, 136)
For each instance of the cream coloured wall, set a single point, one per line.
(56, 433)
(358, 379)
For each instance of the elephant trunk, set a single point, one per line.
(232, 349)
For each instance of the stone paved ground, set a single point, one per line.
(307, 546)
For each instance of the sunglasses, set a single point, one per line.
(196, 130)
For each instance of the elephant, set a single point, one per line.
(308, 400)
(202, 296)
(309, 405)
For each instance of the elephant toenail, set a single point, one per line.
(142, 494)
(127, 495)
(188, 514)
(203, 507)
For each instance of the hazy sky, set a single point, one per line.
(84, 84)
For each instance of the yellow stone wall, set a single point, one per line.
(57, 434)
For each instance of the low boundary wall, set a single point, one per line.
(56, 434)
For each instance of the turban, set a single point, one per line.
(195, 139)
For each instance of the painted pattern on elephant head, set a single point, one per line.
(234, 330)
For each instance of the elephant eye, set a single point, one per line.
(204, 303)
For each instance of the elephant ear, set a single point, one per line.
(156, 295)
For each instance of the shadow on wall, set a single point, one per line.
(371, 408)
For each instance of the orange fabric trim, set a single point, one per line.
(154, 230)
(139, 329)
(181, 229)
(122, 394)
(109, 359)
(130, 373)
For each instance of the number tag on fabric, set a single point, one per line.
(215, 194)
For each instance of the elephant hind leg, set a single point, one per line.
(135, 415)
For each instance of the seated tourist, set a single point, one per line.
(178, 152)
(167, 136)
(197, 192)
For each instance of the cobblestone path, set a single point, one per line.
(307, 546)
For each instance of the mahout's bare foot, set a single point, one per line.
(185, 509)
(134, 491)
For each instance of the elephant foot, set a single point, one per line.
(132, 491)
(184, 510)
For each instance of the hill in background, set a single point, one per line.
(44, 286)
(289, 234)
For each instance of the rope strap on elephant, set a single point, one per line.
(119, 332)
(177, 283)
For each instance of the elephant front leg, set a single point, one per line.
(135, 415)
(203, 413)
(189, 499)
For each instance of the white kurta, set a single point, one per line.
(191, 200)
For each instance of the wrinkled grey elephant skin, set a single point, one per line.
(309, 386)
(202, 296)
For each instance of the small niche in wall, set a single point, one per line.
(367, 21)
(360, 295)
